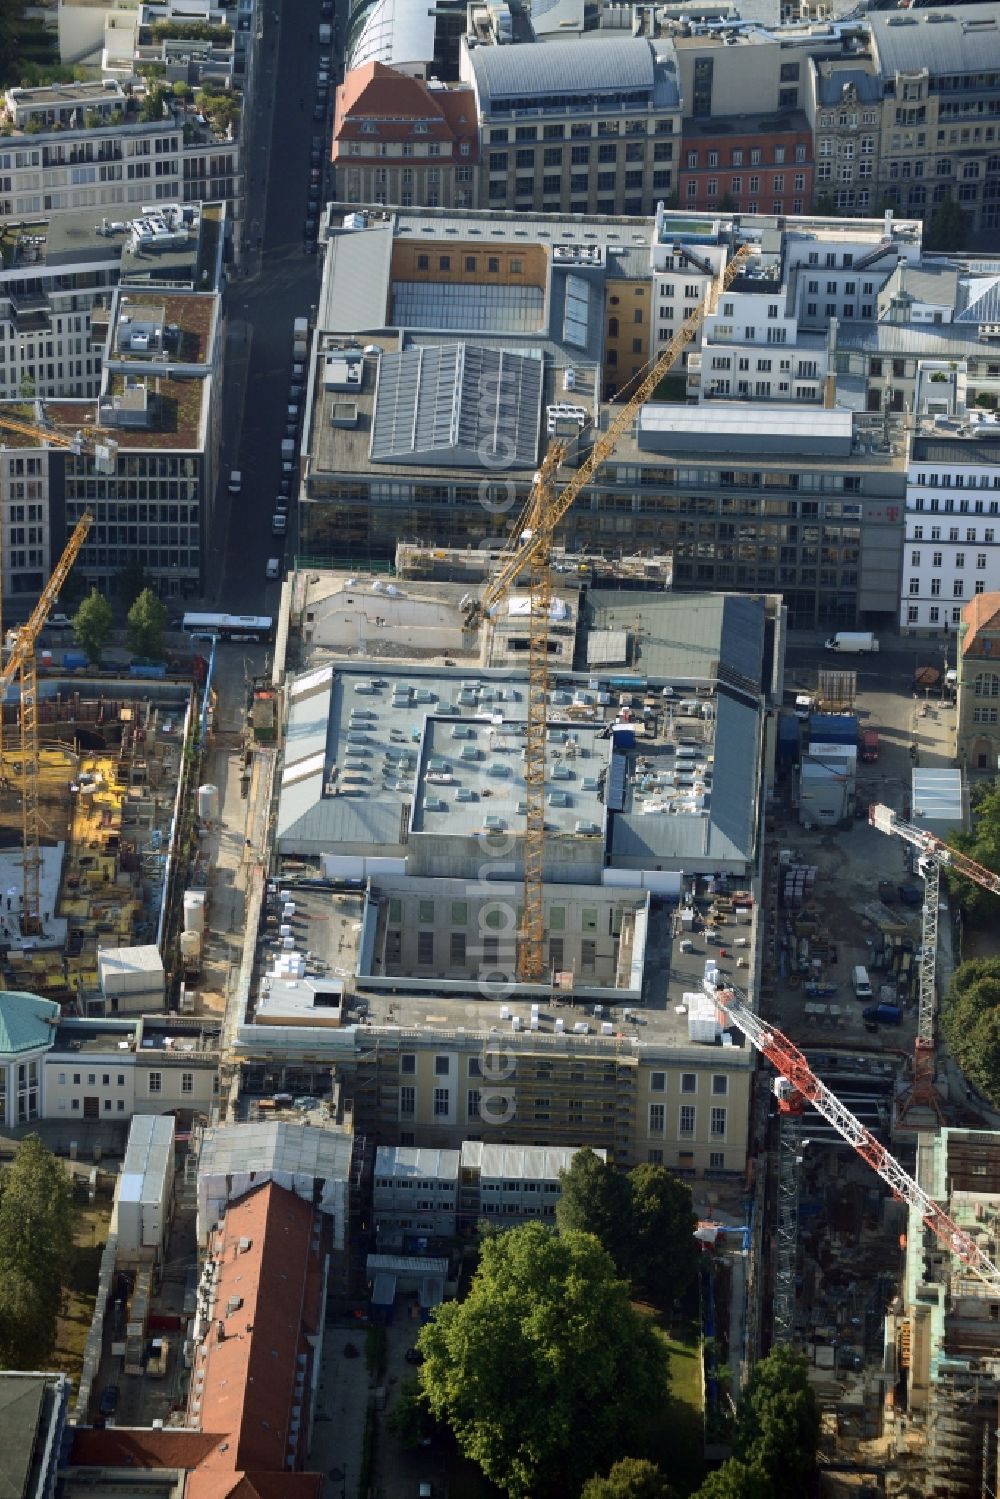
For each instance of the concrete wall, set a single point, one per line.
(81, 31)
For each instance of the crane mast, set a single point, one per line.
(530, 551)
(935, 855)
(797, 1081)
(21, 663)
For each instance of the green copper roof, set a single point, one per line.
(26, 1021)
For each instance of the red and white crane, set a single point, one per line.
(934, 855)
(797, 1084)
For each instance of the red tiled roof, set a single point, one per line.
(396, 102)
(982, 616)
(250, 1371)
(121, 1447)
(216, 1485)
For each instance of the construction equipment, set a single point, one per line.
(530, 551)
(933, 857)
(797, 1084)
(91, 441)
(21, 662)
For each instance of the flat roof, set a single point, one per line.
(937, 796)
(305, 979)
(520, 1162)
(409, 1163)
(715, 424)
(277, 1145)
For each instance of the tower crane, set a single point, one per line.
(91, 441)
(21, 662)
(530, 551)
(934, 855)
(797, 1085)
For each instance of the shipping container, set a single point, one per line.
(869, 745)
(833, 728)
(882, 1014)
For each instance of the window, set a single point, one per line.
(657, 1082)
(408, 1063)
(657, 1118)
(957, 588)
(187, 1082)
(720, 1084)
(407, 1101)
(425, 912)
(915, 559)
(425, 948)
(718, 1124)
(442, 1102)
(655, 1157)
(457, 950)
(716, 1160)
(687, 1120)
(689, 1082)
(441, 1067)
(472, 1101)
(155, 1082)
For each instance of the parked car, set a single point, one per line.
(273, 569)
(59, 622)
(413, 1355)
(319, 112)
(108, 1403)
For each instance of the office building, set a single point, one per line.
(952, 518)
(576, 127)
(748, 164)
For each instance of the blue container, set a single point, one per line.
(74, 660)
(624, 736)
(788, 738)
(156, 670)
(833, 728)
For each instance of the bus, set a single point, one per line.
(228, 626)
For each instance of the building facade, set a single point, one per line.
(575, 127)
(755, 164)
(844, 109)
(399, 140)
(977, 731)
(951, 552)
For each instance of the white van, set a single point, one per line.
(279, 525)
(235, 481)
(861, 982)
(273, 569)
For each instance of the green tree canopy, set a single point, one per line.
(735, 1480)
(93, 623)
(970, 1024)
(595, 1198)
(545, 1372)
(147, 624)
(664, 1249)
(36, 1249)
(778, 1424)
(982, 843)
(948, 227)
(631, 1478)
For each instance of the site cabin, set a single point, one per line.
(869, 745)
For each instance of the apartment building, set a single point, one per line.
(951, 553)
(74, 146)
(977, 716)
(399, 140)
(57, 283)
(940, 72)
(576, 127)
(844, 109)
(747, 164)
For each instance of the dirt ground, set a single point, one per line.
(81, 1292)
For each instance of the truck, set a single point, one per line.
(852, 642)
(300, 329)
(869, 745)
(882, 1014)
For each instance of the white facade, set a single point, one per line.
(415, 1192)
(510, 1182)
(751, 348)
(951, 550)
(142, 1202)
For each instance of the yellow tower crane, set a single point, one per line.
(530, 551)
(21, 662)
(90, 440)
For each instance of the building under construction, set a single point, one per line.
(943, 1337)
(109, 788)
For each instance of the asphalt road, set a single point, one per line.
(280, 284)
(892, 668)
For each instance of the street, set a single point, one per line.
(282, 283)
(892, 668)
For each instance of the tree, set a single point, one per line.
(948, 226)
(182, 91)
(36, 1249)
(595, 1198)
(631, 1478)
(664, 1250)
(545, 1372)
(147, 624)
(734, 1480)
(982, 843)
(410, 1418)
(970, 1024)
(131, 580)
(152, 105)
(93, 622)
(777, 1429)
